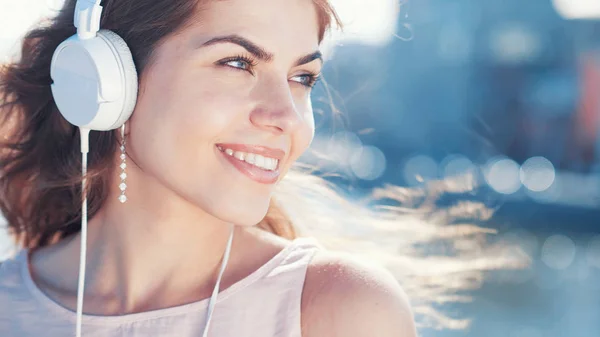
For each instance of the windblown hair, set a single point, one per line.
(40, 177)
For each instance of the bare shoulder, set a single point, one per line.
(345, 296)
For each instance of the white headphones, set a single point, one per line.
(95, 87)
(95, 82)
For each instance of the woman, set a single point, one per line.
(223, 112)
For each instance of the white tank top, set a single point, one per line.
(266, 303)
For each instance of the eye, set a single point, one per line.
(308, 80)
(239, 62)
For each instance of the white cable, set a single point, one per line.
(213, 298)
(84, 134)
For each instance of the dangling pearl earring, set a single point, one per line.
(123, 185)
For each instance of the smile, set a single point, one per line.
(258, 163)
(266, 163)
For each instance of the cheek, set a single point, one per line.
(181, 113)
(206, 107)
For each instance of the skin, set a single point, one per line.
(182, 195)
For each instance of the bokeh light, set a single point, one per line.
(549, 196)
(368, 163)
(537, 174)
(502, 174)
(341, 145)
(457, 165)
(515, 44)
(577, 9)
(558, 251)
(419, 169)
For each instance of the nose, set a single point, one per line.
(276, 109)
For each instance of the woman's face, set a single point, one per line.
(237, 80)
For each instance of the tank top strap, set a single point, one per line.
(297, 259)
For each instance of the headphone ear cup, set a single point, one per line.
(95, 83)
(130, 74)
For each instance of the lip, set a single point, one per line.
(255, 173)
(257, 149)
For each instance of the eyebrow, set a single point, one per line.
(259, 52)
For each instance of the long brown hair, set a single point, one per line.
(40, 177)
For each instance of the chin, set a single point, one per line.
(247, 216)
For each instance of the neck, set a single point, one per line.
(145, 266)
(148, 253)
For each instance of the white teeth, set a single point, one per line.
(250, 158)
(239, 155)
(266, 163)
(259, 161)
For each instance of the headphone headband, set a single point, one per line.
(87, 18)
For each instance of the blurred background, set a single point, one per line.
(508, 91)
